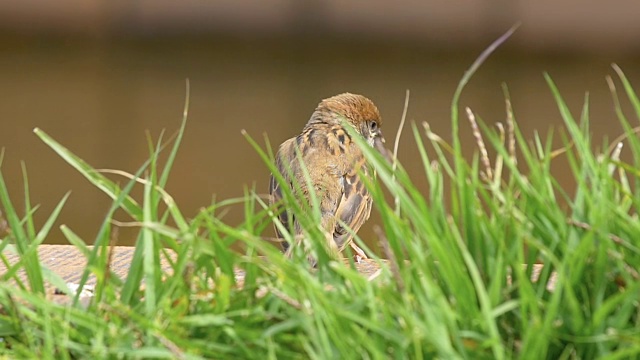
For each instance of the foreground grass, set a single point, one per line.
(444, 293)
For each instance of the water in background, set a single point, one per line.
(101, 98)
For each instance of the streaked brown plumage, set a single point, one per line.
(332, 160)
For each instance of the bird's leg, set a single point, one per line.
(299, 241)
(359, 254)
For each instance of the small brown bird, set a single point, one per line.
(332, 160)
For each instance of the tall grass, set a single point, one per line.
(456, 283)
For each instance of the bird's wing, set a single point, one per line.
(353, 210)
(283, 160)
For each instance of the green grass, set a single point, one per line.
(442, 294)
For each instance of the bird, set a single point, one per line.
(334, 166)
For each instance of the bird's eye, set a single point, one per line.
(373, 126)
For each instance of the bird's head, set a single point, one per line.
(359, 111)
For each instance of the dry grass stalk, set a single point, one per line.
(484, 156)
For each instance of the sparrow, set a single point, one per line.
(335, 164)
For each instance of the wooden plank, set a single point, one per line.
(69, 263)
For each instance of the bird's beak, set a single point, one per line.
(378, 144)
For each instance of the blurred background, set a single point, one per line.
(97, 75)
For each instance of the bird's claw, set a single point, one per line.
(359, 254)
